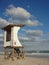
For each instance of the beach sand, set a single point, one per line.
(25, 61)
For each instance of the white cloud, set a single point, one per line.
(1, 39)
(46, 34)
(29, 39)
(45, 40)
(3, 22)
(34, 32)
(1, 45)
(33, 36)
(1, 35)
(20, 15)
(33, 23)
(23, 38)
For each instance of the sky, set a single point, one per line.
(34, 14)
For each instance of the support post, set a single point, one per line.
(6, 56)
(22, 53)
(12, 53)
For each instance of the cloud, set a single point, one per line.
(46, 34)
(29, 38)
(23, 38)
(33, 23)
(33, 32)
(20, 15)
(1, 37)
(3, 22)
(30, 41)
(45, 40)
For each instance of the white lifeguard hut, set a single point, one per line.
(11, 39)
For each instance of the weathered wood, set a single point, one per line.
(22, 53)
(6, 56)
(8, 27)
(11, 41)
(13, 53)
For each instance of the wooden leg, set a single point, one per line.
(12, 53)
(6, 56)
(18, 55)
(22, 53)
(5, 53)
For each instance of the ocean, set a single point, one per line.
(34, 55)
(38, 55)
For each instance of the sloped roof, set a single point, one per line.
(8, 27)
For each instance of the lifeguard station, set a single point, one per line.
(12, 42)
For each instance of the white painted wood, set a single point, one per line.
(4, 38)
(14, 37)
(8, 43)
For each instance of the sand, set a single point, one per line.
(25, 61)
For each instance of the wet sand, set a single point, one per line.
(25, 61)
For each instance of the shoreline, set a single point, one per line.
(33, 55)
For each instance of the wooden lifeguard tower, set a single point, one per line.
(12, 42)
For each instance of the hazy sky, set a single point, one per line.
(34, 14)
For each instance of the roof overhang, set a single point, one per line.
(8, 27)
